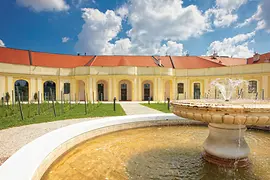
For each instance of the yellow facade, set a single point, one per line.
(162, 81)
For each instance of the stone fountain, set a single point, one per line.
(225, 144)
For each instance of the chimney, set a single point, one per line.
(159, 61)
(256, 57)
(215, 55)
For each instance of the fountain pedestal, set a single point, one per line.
(226, 145)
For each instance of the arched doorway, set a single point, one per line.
(102, 90)
(49, 90)
(125, 90)
(22, 87)
(196, 90)
(147, 90)
(81, 90)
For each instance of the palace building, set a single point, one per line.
(128, 78)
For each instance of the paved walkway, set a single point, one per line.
(136, 108)
(13, 139)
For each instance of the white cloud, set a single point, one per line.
(65, 39)
(150, 32)
(153, 20)
(261, 16)
(80, 3)
(156, 27)
(254, 17)
(2, 44)
(265, 14)
(236, 46)
(122, 11)
(44, 5)
(172, 48)
(224, 12)
(97, 32)
(230, 5)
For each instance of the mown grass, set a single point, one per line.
(163, 107)
(10, 115)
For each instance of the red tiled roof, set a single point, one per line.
(124, 61)
(226, 60)
(263, 58)
(193, 62)
(14, 56)
(59, 60)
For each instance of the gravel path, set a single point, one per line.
(13, 139)
(136, 108)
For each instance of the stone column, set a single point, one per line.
(94, 93)
(110, 90)
(206, 87)
(135, 90)
(73, 87)
(155, 89)
(265, 86)
(115, 89)
(32, 88)
(2, 86)
(90, 89)
(10, 86)
(139, 89)
(160, 90)
(39, 86)
(174, 86)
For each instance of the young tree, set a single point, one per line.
(35, 96)
(7, 97)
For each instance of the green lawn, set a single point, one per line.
(158, 106)
(10, 115)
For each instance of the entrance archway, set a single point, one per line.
(23, 89)
(49, 90)
(81, 90)
(196, 90)
(147, 90)
(125, 90)
(102, 90)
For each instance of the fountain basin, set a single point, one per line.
(221, 112)
(225, 145)
(33, 159)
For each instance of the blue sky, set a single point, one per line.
(157, 26)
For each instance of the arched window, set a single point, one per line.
(22, 87)
(180, 88)
(66, 88)
(49, 88)
(252, 86)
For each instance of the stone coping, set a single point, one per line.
(224, 112)
(33, 159)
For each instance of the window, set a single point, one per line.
(147, 86)
(180, 88)
(66, 88)
(124, 86)
(252, 86)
